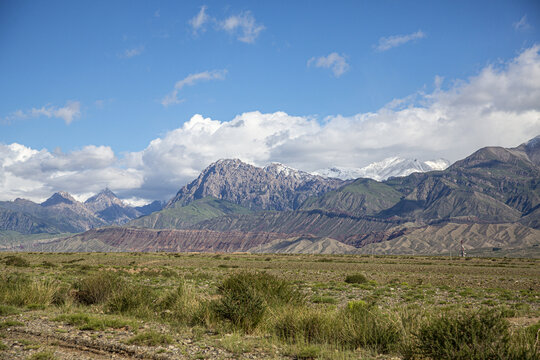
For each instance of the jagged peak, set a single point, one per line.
(59, 198)
(105, 193)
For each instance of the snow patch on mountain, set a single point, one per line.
(384, 169)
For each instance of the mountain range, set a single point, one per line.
(489, 200)
(62, 213)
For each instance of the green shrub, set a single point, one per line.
(356, 279)
(243, 306)
(482, 334)
(177, 304)
(305, 325)
(135, 300)
(3, 346)
(97, 288)
(150, 338)
(19, 290)
(363, 325)
(245, 298)
(13, 260)
(274, 290)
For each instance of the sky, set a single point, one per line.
(140, 96)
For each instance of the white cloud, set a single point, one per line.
(68, 112)
(191, 79)
(129, 53)
(243, 26)
(199, 20)
(498, 106)
(522, 24)
(386, 43)
(336, 62)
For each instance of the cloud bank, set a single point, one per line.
(498, 106)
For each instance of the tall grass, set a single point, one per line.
(20, 290)
(245, 298)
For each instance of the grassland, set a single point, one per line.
(165, 305)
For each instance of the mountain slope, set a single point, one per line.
(274, 187)
(361, 197)
(304, 245)
(183, 216)
(431, 240)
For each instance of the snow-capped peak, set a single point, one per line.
(281, 169)
(384, 169)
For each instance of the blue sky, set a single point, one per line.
(79, 74)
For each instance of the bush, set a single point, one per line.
(245, 298)
(481, 334)
(134, 300)
(305, 325)
(19, 290)
(356, 279)
(18, 261)
(363, 325)
(97, 288)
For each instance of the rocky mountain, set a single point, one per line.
(274, 187)
(387, 168)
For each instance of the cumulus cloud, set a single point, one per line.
(191, 79)
(68, 112)
(244, 26)
(198, 21)
(129, 53)
(497, 106)
(333, 61)
(522, 24)
(36, 174)
(386, 43)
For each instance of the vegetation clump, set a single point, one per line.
(246, 296)
(97, 288)
(482, 334)
(13, 260)
(150, 338)
(356, 279)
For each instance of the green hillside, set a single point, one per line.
(182, 216)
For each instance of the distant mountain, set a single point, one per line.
(274, 187)
(107, 206)
(382, 170)
(62, 213)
